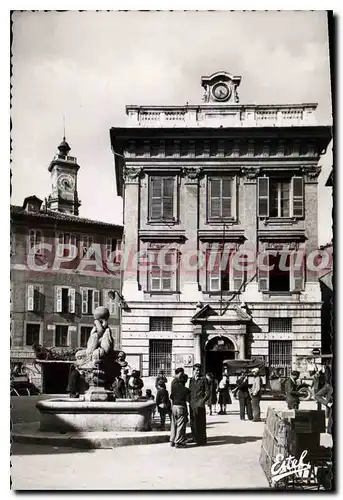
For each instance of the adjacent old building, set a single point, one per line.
(62, 267)
(205, 184)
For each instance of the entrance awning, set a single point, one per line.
(233, 315)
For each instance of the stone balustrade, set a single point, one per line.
(222, 116)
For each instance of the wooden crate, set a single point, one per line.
(274, 441)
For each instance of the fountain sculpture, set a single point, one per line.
(97, 410)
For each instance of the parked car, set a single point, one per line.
(272, 380)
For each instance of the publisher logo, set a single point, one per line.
(290, 466)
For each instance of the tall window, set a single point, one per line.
(220, 198)
(66, 246)
(35, 238)
(162, 198)
(84, 335)
(85, 244)
(224, 272)
(35, 298)
(32, 333)
(162, 270)
(281, 272)
(61, 336)
(111, 304)
(160, 357)
(281, 198)
(111, 247)
(160, 324)
(280, 356)
(90, 300)
(65, 299)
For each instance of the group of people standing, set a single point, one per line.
(249, 399)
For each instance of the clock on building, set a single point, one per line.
(66, 182)
(221, 91)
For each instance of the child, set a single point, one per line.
(163, 403)
(149, 395)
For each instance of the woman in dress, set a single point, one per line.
(224, 394)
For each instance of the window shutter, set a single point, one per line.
(263, 276)
(214, 193)
(71, 296)
(73, 249)
(237, 278)
(84, 300)
(298, 196)
(156, 198)
(168, 193)
(37, 298)
(96, 299)
(263, 196)
(113, 307)
(118, 251)
(58, 299)
(60, 245)
(226, 198)
(297, 274)
(106, 299)
(214, 263)
(30, 297)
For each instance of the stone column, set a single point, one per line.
(312, 286)
(248, 206)
(197, 343)
(131, 227)
(189, 269)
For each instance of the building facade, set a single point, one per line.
(204, 185)
(62, 267)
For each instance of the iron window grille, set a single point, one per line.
(160, 357)
(280, 325)
(280, 356)
(160, 324)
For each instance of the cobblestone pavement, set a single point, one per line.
(229, 461)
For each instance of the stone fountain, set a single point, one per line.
(97, 410)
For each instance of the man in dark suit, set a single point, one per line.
(199, 394)
(291, 390)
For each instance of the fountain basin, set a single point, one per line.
(74, 415)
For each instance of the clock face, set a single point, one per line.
(65, 182)
(221, 91)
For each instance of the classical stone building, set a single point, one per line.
(62, 267)
(219, 180)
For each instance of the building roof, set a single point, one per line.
(53, 216)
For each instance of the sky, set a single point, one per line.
(87, 66)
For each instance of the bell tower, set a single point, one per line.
(63, 170)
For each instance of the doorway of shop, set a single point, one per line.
(218, 350)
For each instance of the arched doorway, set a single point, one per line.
(218, 350)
